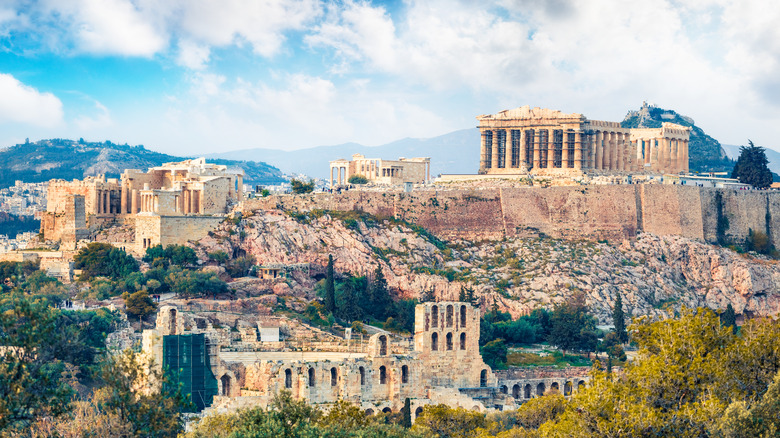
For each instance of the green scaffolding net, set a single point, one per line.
(186, 363)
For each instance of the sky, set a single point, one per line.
(192, 77)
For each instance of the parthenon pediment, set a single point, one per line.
(526, 112)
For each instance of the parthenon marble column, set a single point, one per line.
(507, 148)
(619, 152)
(522, 163)
(494, 150)
(578, 149)
(564, 149)
(537, 140)
(483, 152)
(550, 148)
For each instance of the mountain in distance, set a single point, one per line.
(456, 152)
(705, 153)
(68, 159)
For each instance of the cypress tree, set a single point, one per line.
(330, 287)
(729, 318)
(406, 421)
(380, 295)
(619, 319)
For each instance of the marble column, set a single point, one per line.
(537, 144)
(483, 152)
(494, 150)
(578, 149)
(598, 136)
(123, 202)
(134, 201)
(194, 205)
(607, 153)
(564, 149)
(620, 153)
(521, 163)
(685, 156)
(508, 150)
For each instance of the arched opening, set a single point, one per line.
(463, 316)
(581, 385)
(312, 380)
(387, 410)
(418, 411)
(435, 316)
(475, 408)
(567, 388)
(435, 341)
(540, 389)
(527, 391)
(369, 412)
(225, 380)
(504, 389)
(554, 387)
(463, 341)
(449, 341)
(404, 374)
(449, 315)
(362, 376)
(334, 376)
(288, 378)
(382, 375)
(483, 379)
(172, 322)
(516, 391)
(383, 345)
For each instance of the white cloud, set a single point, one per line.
(100, 120)
(24, 104)
(192, 55)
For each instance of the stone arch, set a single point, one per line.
(463, 316)
(527, 391)
(382, 375)
(503, 389)
(312, 379)
(418, 411)
(483, 379)
(369, 411)
(449, 315)
(172, 322)
(554, 387)
(225, 381)
(516, 391)
(580, 385)
(435, 341)
(383, 345)
(475, 408)
(540, 388)
(288, 378)
(387, 410)
(449, 341)
(435, 316)
(463, 341)
(334, 376)
(362, 376)
(567, 388)
(404, 374)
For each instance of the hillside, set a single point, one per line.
(519, 274)
(706, 153)
(68, 159)
(456, 152)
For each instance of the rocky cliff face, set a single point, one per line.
(650, 272)
(706, 153)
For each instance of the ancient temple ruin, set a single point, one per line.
(167, 204)
(550, 142)
(379, 171)
(441, 364)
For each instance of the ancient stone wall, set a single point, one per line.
(612, 212)
(151, 230)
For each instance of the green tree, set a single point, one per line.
(357, 179)
(348, 300)
(240, 266)
(218, 256)
(445, 422)
(101, 259)
(752, 167)
(619, 320)
(379, 294)
(571, 327)
(139, 304)
(301, 187)
(406, 414)
(494, 353)
(150, 412)
(31, 375)
(729, 319)
(330, 287)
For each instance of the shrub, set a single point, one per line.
(357, 179)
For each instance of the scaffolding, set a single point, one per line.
(186, 363)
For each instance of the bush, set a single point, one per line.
(300, 187)
(357, 179)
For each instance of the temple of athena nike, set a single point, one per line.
(546, 141)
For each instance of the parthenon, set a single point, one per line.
(550, 142)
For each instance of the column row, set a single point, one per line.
(666, 155)
(531, 148)
(611, 150)
(104, 202)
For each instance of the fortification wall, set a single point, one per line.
(610, 212)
